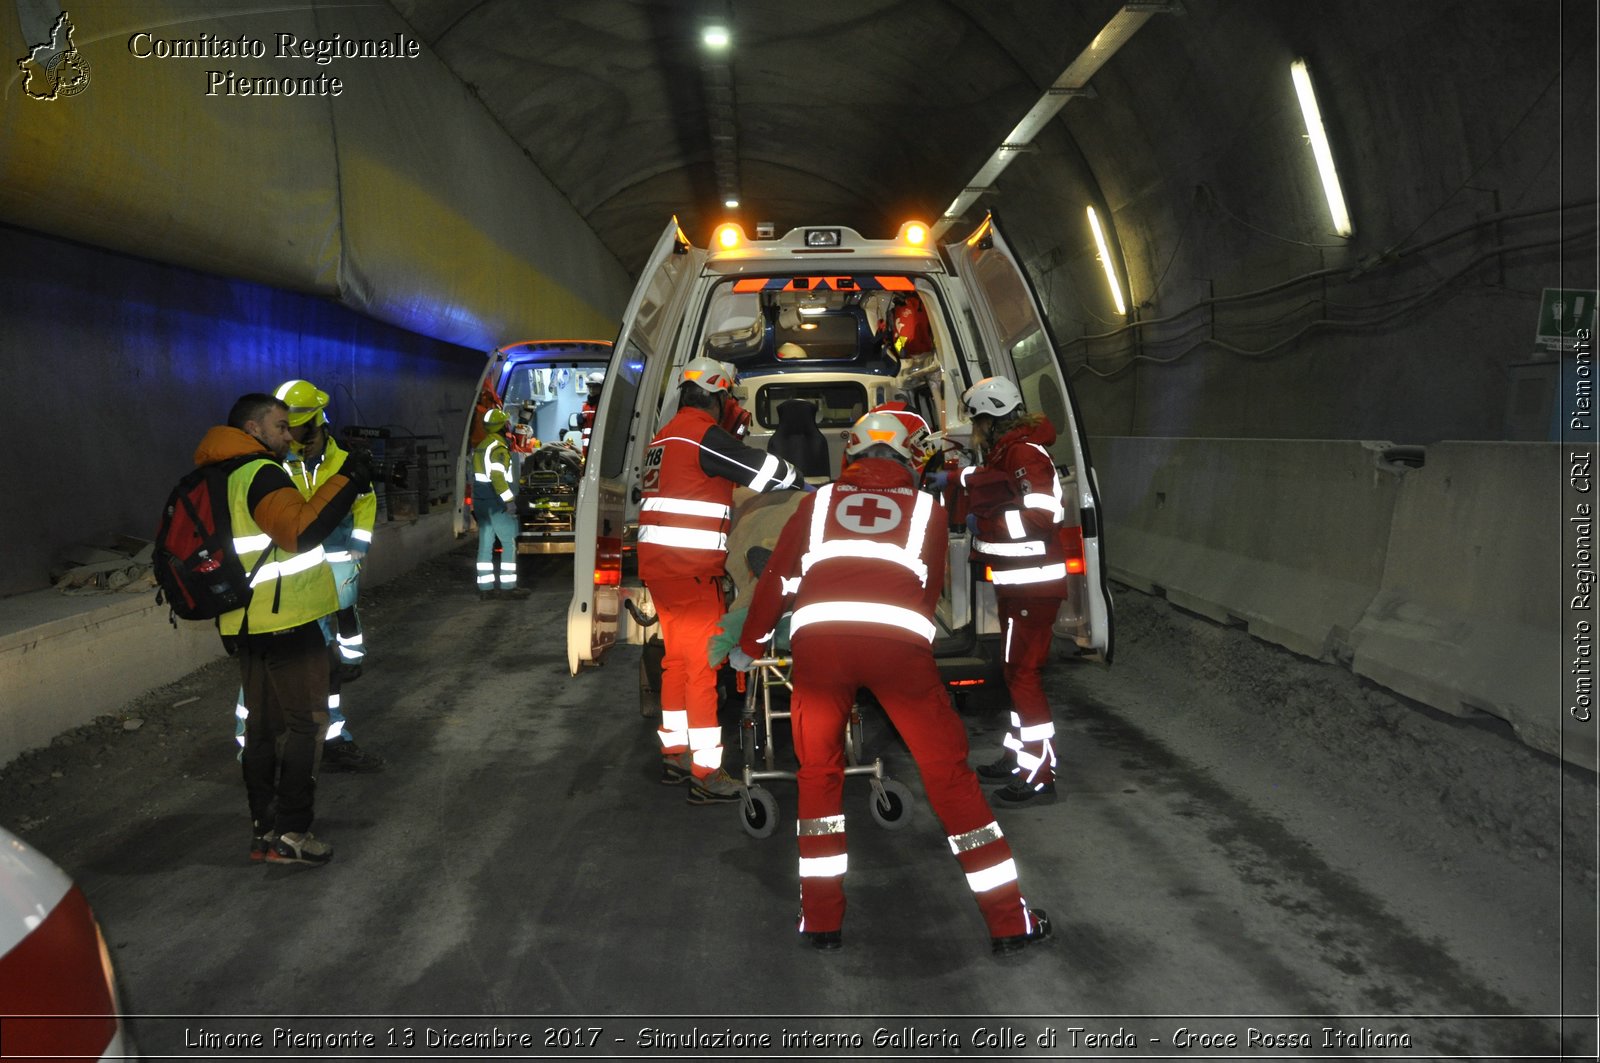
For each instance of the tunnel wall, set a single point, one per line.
(1429, 580)
(398, 195)
(114, 368)
(1459, 129)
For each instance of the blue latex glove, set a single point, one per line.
(939, 481)
(809, 489)
(972, 523)
(739, 660)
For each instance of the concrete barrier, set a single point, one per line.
(1440, 582)
(67, 659)
(1285, 537)
(1467, 617)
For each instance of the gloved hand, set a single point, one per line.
(809, 489)
(972, 523)
(358, 469)
(739, 660)
(938, 481)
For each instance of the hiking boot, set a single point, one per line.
(1018, 942)
(517, 593)
(299, 848)
(485, 596)
(261, 843)
(676, 768)
(347, 756)
(999, 770)
(717, 787)
(1017, 793)
(349, 673)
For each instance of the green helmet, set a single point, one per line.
(305, 401)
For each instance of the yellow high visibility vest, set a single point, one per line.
(290, 589)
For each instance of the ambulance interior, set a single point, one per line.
(842, 344)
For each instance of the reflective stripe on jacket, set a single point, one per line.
(290, 588)
(1016, 495)
(491, 476)
(356, 527)
(864, 556)
(690, 470)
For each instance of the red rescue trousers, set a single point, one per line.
(690, 611)
(827, 671)
(1025, 628)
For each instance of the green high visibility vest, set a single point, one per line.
(290, 589)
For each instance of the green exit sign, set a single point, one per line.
(1562, 313)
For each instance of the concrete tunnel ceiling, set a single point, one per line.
(862, 113)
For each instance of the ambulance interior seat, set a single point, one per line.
(798, 440)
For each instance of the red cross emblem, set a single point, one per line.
(868, 514)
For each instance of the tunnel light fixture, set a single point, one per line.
(1105, 261)
(1319, 147)
(730, 202)
(716, 37)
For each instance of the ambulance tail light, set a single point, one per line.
(913, 234)
(728, 236)
(1072, 540)
(965, 683)
(608, 562)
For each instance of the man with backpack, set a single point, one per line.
(277, 535)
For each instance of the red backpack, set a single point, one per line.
(197, 572)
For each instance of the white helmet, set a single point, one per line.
(706, 373)
(993, 395)
(903, 432)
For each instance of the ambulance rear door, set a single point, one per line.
(1016, 336)
(606, 503)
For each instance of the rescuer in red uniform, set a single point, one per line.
(690, 471)
(1015, 498)
(863, 561)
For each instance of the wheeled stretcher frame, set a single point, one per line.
(758, 809)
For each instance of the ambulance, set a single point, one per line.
(547, 389)
(842, 323)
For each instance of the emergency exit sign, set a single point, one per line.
(1562, 312)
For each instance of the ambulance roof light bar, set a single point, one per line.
(1074, 81)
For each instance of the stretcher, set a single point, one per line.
(757, 809)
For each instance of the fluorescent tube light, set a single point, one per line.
(1105, 260)
(1319, 147)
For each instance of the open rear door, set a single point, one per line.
(606, 494)
(1013, 319)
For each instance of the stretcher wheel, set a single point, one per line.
(891, 806)
(758, 812)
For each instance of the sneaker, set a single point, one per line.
(349, 673)
(303, 848)
(999, 770)
(1017, 793)
(347, 756)
(261, 843)
(1018, 942)
(714, 788)
(676, 768)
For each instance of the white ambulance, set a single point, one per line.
(812, 316)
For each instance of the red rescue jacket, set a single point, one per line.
(690, 470)
(1016, 496)
(863, 556)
